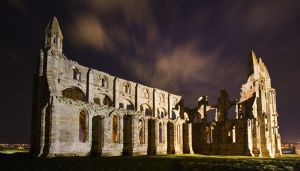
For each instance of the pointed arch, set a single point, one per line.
(115, 129)
(146, 93)
(162, 98)
(126, 104)
(76, 74)
(83, 126)
(74, 93)
(127, 87)
(174, 114)
(103, 99)
(146, 109)
(107, 101)
(160, 133)
(141, 127)
(161, 112)
(232, 135)
(104, 82)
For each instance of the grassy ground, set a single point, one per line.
(23, 161)
(13, 151)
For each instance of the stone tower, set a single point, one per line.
(53, 36)
(258, 103)
(42, 99)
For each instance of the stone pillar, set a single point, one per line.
(137, 97)
(165, 139)
(121, 132)
(107, 135)
(152, 136)
(89, 86)
(248, 138)
(48, 150)
(42, 130)
(97, 135)
(169, 106)
(187, 138)
(170, 141)
(256, 138)
(154, 103)
(129, 135)
(116, 92)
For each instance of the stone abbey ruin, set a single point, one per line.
(81, 111)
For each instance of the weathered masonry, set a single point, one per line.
(81, 111)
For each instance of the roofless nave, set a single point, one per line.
(81, 111)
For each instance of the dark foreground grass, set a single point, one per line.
(23, 161)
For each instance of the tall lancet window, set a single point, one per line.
(104, 82)
(127, 88)
(83, 126)
(160, 132)
(115, 129)
(76, 74)
(141, 132)
(233, 135)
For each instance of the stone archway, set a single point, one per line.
(74, 93)
(83, 126)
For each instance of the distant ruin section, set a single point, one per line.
(81, 111)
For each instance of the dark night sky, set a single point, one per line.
(190, 48)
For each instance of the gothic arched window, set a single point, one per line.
(146, 93)
(83, 126)
(76, 74)
(174, 101)
(161, 112)
(160, 132)
(173, 115)
(127, 88)
(146, 109)
(141, 132)
(107, 101)
(115, 129)
(104, 82)
(74, 93)
(232, 135)
(162, 98)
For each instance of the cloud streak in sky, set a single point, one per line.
(87, 31)
(154, 51)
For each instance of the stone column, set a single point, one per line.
(116, 92)
(169, 106)
(154, 103)
(135, 134)
(121, 132)
(170, 138)
(256, 138)
(137, 97)
(97, 135)
(128, 133)
(187, 138)
(248, 142)
(152, 136)
(89, 85)
(107, 137)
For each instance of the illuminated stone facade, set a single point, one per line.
(253, 131)
(81, 111)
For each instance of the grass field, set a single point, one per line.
(23, 161)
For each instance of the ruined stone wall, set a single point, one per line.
(81, 111)
(75, 89)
